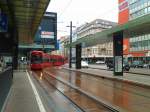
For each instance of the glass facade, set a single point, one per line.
(140, 43)
(138, 8)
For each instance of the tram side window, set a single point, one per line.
(54, 60)
(45, 60)
(50, 60)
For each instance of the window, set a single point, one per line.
(148, 9)
(145, 10)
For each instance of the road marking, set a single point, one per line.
(38, 99)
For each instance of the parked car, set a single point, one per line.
(147, 65)
(126, 66)
(100, 62)
(84, 64)
(137, 64)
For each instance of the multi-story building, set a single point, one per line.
(64, 40)
(137, 46)
(99, 51)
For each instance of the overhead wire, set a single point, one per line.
(69, 3)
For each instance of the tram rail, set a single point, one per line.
(109, 108)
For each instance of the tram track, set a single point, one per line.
(101, 102)
(73, 96)
(52, 87)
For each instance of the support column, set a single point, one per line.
(78, 56)
(118, 53)
(70, 50)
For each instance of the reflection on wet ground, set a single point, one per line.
(56, 102)
(79, 99)
(129, 97)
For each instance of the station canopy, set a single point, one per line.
(134, 27)
(25, 15)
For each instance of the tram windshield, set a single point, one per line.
(36, 59)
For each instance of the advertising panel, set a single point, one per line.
(47, 34)
(118, 63)
(126, 46)
(47, 31)
(3, 22)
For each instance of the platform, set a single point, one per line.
(28, 94)
(137, 79)
(21, 97)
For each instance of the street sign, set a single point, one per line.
(3, 22)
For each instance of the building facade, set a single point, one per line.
(64, 40)
(99, 51)
(138, 46)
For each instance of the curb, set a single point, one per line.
(113, 78)
(125, 72)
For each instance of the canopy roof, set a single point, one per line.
(25, 15)
(137, 26)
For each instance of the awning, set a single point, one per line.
(25, 15)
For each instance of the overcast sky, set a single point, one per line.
(82, 11)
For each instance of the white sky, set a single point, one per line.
(82, 11)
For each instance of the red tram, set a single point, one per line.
(41, 60)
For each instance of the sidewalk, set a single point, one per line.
(21, 97)
(140, 80)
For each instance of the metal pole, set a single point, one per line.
(70, 53)
(43, 43)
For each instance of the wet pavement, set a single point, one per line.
(21, 97)
(78, 99)
(129, 97)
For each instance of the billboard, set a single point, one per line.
(47, 30)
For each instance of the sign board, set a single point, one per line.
(3, 22)
(50, 15)
(47, 34)
(118, 63)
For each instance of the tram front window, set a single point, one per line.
(35, 59)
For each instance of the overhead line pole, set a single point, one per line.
(70, 49)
